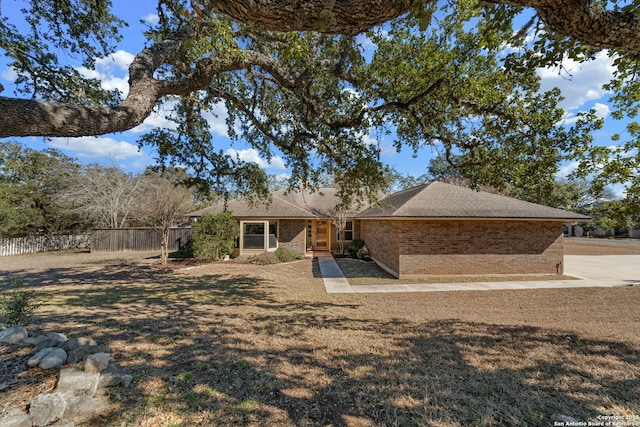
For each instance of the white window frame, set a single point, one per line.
(345, 231)
(266, 241)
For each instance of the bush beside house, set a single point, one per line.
(214, 236)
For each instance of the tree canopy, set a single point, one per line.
(459, 74)
(29, 184)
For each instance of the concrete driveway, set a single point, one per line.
(623, 269)
(593, 271)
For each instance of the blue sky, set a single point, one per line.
(581, 85)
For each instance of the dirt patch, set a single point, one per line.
(235, 344)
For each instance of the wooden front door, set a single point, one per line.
(322, 235)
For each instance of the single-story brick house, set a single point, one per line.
(432, 229)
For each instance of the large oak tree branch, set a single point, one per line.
(585, 20)
(589, 22)
(22, 117)
(347, 17)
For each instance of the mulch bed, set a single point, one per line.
(19, 384)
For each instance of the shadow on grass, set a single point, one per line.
(303, 366)
(437, 373)
(234, 349)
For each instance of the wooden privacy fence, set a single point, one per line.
(33, 244)
(136, 239)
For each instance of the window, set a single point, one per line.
(273, 235)
(348, 232)
(259, 235)
(253, 235)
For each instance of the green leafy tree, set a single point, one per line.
(30, 182)
(315, 95)
(214, 236)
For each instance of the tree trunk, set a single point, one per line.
(164, 247)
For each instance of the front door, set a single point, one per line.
(322, 235)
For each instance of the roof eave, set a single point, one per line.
(475, 218)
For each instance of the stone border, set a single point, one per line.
(85, 374)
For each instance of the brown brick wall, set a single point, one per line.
(380, 237)
(292, 235)
(335, 245)
(414, 248)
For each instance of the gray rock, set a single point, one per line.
(35, 340)
(15, 418)
(13, 335)
(113, 376)
(63, 424)
(82, 409)
(74, 383)
(57, 336)
(126, 380)
(78, 354)
(50, 339)
(96, 362)
(37, 358)
(76, 342)
(47, 408)
(57, 357)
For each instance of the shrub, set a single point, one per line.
(354, 247)
(186, 251)
(279, 255)
(214, 236)
(265, 258)
(17, 305)
(287, 255)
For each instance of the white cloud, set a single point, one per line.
(9, 74)
(579, 82)
(151, 18)
(602, 111)
(120, 60)
(217, 119)
(159, 118)
(112, 71)
(283, 176)
(97, 147)
(567, 170)
(251, 155)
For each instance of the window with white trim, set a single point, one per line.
(347, 232)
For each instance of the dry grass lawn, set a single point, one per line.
(236, 344)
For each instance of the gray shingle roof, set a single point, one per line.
(298, 204)
(434, 200)
(441, 200)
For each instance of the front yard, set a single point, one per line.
(239, 344)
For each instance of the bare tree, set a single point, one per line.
(339, 218)
(104, 194)
(162, 202)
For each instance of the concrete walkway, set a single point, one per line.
(590, 271)
(334, 280)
